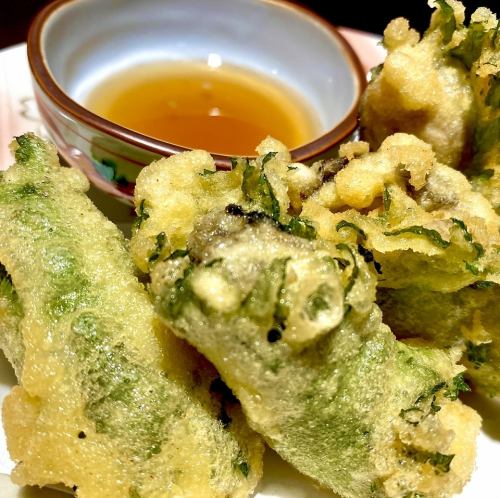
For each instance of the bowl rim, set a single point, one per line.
(308, 151)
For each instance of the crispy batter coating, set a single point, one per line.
(169, 203)
(11, 342)
(424, 222)
(468, 318)
(444, 88)
(419, 91)
(429, 233)
(106, 403)
(291, 324)
(484, 171)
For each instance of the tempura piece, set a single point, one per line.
(419, 90)
(424, 229)
(469, 318)
(423, 221)
(443, 88)
(484, 63)
(107, 404)
(317, 373)
(168, 203)
(290, 323)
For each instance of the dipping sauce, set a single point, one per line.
(224, 109)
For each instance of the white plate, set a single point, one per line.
(18, 114)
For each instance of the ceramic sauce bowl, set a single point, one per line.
(75, 44)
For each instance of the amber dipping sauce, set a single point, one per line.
(223, 109)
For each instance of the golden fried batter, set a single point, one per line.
(106, 403)
(444, 88)
(434, 242)
(290, 322)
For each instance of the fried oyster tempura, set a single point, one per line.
(444, 88)
(290, 322)
(107, 403)
(435, 243)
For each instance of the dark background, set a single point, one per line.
(16, 15)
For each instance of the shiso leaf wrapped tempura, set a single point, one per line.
(290, 322)
(426, 224)
(433, 241)
(108, 402)
(443, 87)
